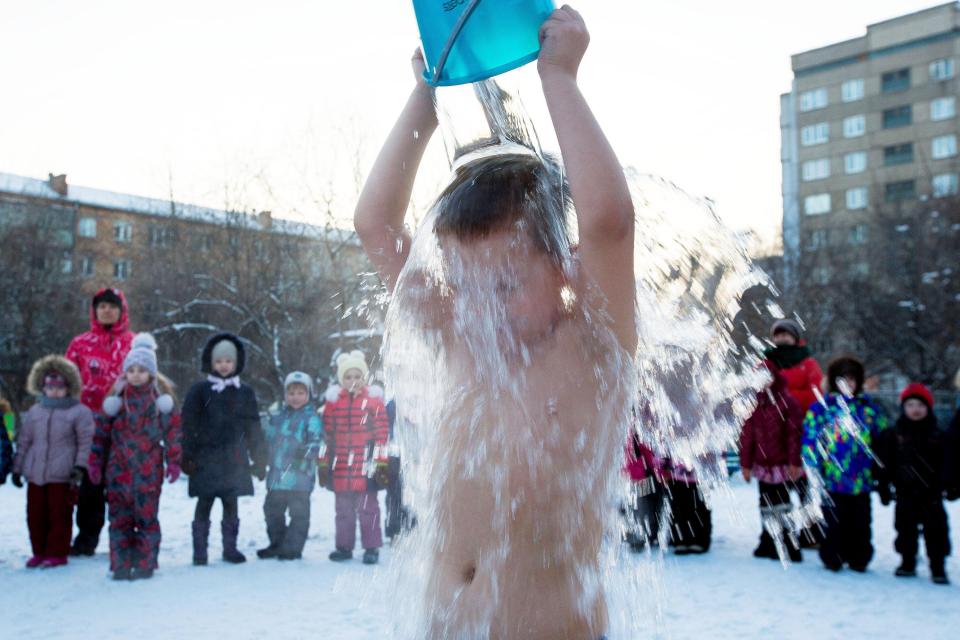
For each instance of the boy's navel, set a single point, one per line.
(469, 574)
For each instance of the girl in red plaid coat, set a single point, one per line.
(354, 465)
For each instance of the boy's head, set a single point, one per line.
(352, 370)
(54, 384)
(917, 401)
(223, 358)
(298, 387)
(503, 219)
(107, 307)
(785, 332)
(140, 365)
(845, 375)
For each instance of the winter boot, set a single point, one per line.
(201, 532)
(793, 550)
(371, 556)
(123, 574)
(230, 530)
(289, 555)
(938, 573)
(341, 555)
(35, 562)
(766, 548)
(57, 561)
(141, 574)
(907, 568)
(266, 553)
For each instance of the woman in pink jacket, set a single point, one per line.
(52, 453)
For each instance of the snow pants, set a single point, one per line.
(91, 506)
(50, 519)
(354, 505)
(288, 538)
(847, 531)
(921, 511)
(643, 511)
(134, 528)
(812, 534)
(397, 516)
(692, 523)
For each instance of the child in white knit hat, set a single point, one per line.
(137, 432)
(354, 466)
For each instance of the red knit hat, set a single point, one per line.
(916, 390)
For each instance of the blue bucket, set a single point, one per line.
(470, 40)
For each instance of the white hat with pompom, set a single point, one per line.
(143, 352)
(352, 360)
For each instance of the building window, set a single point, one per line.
(812, 100)
(945, 185)
(852, 90)
(944, 147)
(815, 134)
(204, 242)
(87, 228)
(86, 267)
(894, 81)
(857, 198)
(898, 154)
(816, 169)
(854, 126)
(121, 269)
(821, 275)
(66, 263)
(898, 117)
(818, 239)
(943, 108)
(899, 191)
(860, 270)
(161, 236)
(816, 205)
(122, 231)
(941, 69)
(858, 234)
(855, 162)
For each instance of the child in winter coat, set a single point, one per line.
(838, 434)
(912, 458)
(770, 452)
(52, 453)
(293, 438)
(355, 463)
(691, 526)
(137, 429)
(645, 501)
(221, 436)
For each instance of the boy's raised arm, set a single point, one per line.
(605, 216)
(386, 195)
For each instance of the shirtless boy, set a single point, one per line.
(521, 471)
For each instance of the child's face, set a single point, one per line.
(784, 339)
(297, 396)
(224, 366)
(107, 313)
(521, 277)
(353, 380)
(915, 409)
(847, 385)
(137, 376)
(55, 392)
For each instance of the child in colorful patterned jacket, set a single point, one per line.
(293, 437)
(138, 428)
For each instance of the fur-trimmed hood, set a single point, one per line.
(62, 366)
(206, 359)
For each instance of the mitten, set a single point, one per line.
(188, 466)
(173, 472)
(323, 476)
(76, 476)
(382, 476)
(95, 475)
(17, 480)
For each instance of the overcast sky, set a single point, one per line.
(220, 101)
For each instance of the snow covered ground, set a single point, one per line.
(725, 594)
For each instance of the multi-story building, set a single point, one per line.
(184, 268)
(871, 210)
(870, 125)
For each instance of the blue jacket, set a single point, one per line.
(293, 442)
(837, 444)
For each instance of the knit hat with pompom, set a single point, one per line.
(352, 360)
(143, 352)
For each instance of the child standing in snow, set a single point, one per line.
(137, 429)
(645, 502)
(355, 464)
(770, 452)
(52, 452)
(912, 457)
(691, 527)
(221, 435)
(838, 434)
(293, 437)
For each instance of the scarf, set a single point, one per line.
(219, 384)
(787, 356)
(57, 403)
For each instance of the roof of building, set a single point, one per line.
(103, 199)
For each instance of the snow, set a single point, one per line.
(724, 594)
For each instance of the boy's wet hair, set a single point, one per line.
(500, 191)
